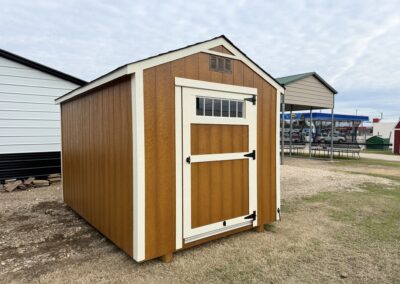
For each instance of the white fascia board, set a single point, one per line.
(198, 84)
(174, 55)
(168, 57)
(112, 76)
(204, 47)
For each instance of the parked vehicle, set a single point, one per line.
(327, 138)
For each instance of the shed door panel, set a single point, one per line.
(220, 191)
(219, 138)
(219, 178)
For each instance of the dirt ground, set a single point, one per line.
(337, 226)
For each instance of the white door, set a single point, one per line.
(219, 161)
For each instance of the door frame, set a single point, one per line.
(180, 83)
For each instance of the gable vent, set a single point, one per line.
(220, 64)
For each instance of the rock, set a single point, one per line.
(40, 182)
(343, 275)
(12, 185)
(49, 212)
(29, 181)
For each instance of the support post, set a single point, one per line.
(282, 128)
(310, 132)
(290, 131)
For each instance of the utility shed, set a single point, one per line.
(174, 150)
(29, 119)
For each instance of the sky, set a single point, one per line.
(353, 45)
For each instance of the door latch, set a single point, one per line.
(252, 216)
(253, 99)
(188, 160)
(251, 154)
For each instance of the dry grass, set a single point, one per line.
(348, 236)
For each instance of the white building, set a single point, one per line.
(29, 118)
(385, 129)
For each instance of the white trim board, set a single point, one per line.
(278, 156)
(171, 56)
(205, 85)
(138, 167)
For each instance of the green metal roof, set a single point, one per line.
(293, 78)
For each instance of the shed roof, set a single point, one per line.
(132, 67)
(293, 78)
(41, 67)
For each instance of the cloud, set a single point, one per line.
(352, 44)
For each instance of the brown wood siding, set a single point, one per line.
(222, 49)
(159, 105)
(219, 139)
(97, 160)
(220, 191)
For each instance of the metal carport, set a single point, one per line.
(306, 91)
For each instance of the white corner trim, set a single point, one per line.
(61, 155)
(205, 85)
(278, 156)
(138, 167)
(102, 80)
(178, 167)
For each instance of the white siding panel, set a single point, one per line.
(30, 148)
(29, 132)
(6, 114)
(27, 73)
(18, 140)
(309, 92)
(20, 89)
(42, 123)
(21, 106)
(9, 63)
(29, 117)
(6, 97)
(34, 82)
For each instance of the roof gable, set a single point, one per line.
(293, 78)
(205, 46)
(41, 67)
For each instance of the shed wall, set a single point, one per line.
(160, 179)
(97, 160)
(309, 92)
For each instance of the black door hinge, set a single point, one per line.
(252, 216)
(251, 154)
(279, 213)
(188, 160)
(252, 99)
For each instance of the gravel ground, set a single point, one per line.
(43, 241)
(299, 181)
